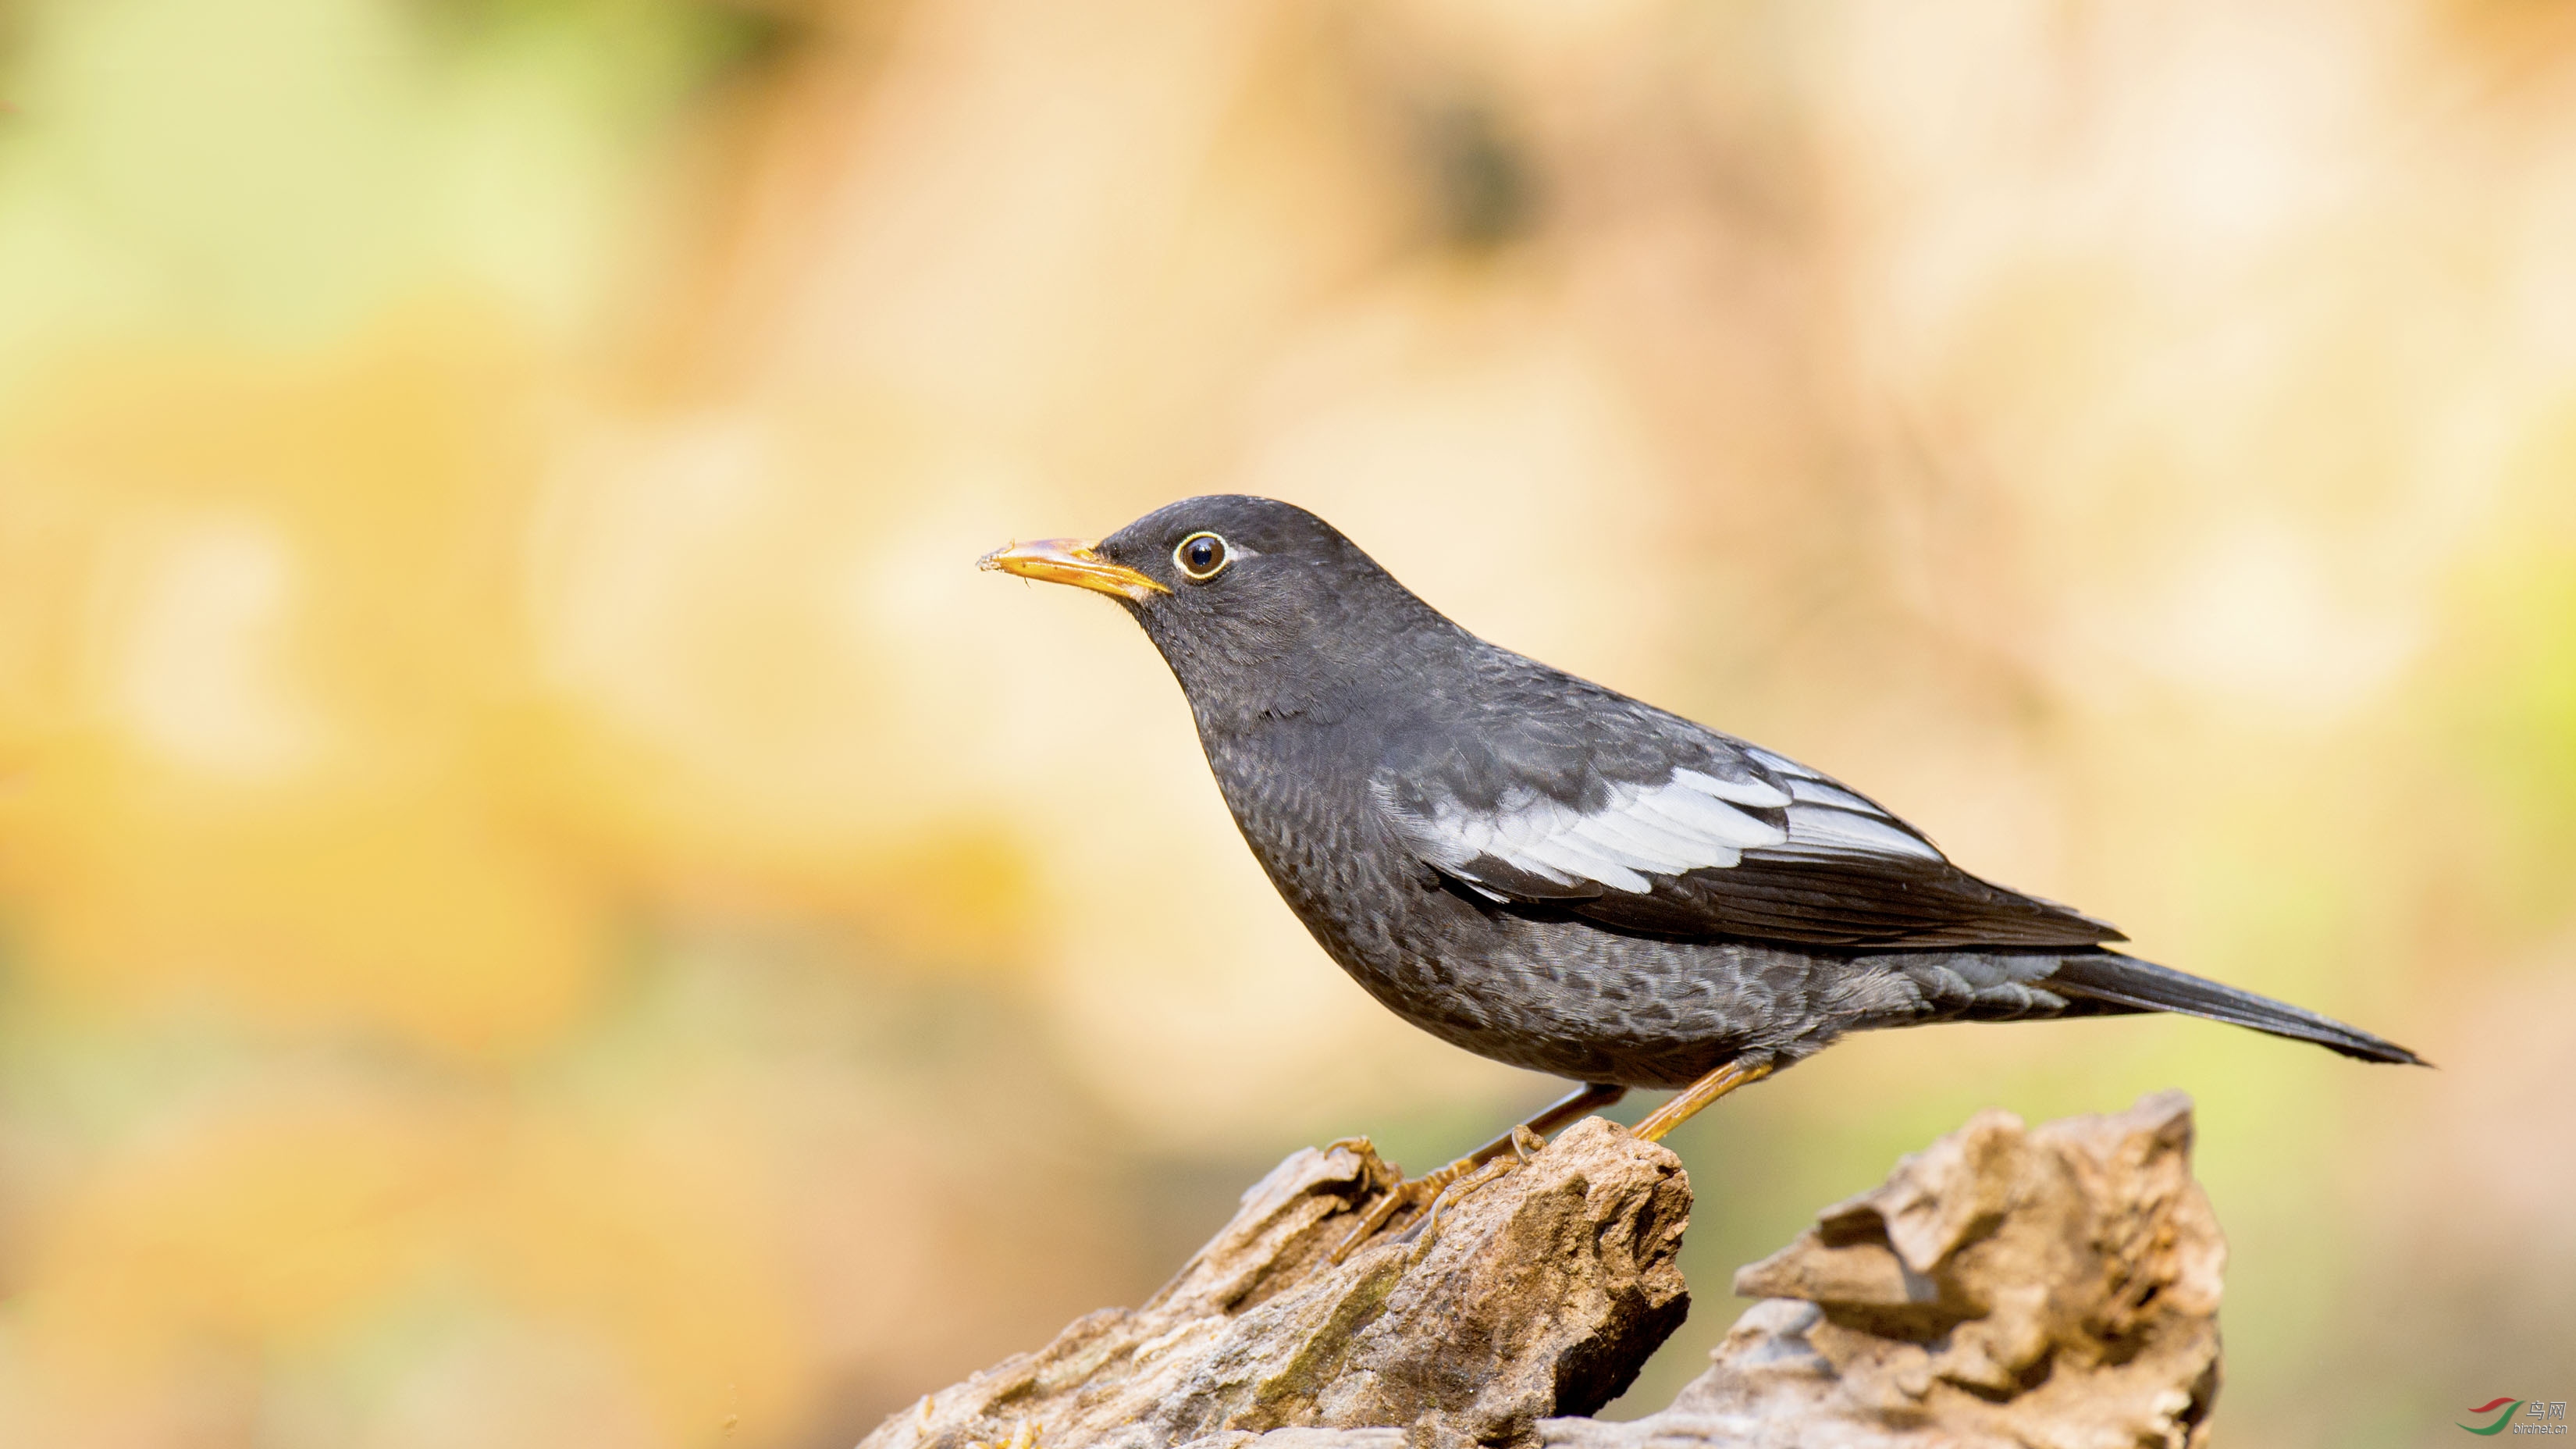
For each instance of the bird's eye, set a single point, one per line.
(1201, 556)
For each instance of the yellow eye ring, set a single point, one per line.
(1201, 557)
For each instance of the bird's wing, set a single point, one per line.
(1644, 821)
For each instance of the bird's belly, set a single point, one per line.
(1561, 996)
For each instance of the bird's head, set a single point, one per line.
(1256, 604)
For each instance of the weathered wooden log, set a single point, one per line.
(2004, 1287)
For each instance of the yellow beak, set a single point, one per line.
(1071, 561)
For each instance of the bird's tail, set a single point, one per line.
(2125, 981)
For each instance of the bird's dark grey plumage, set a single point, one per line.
(1554, 875)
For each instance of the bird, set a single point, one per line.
(1552, 874)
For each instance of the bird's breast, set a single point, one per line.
(1303, 804)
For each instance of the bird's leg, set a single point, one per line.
(1699, 1094)
(1429, 1187)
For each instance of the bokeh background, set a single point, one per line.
(543, 903)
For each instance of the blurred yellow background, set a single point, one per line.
(543, 902)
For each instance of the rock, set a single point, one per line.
(2004, 1287)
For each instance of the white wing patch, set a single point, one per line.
(1670, 829)
(1817, 792)
(1847, 832)
(1690, 822)
(1831, 820)
(1760, 793)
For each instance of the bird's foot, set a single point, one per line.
(1525, 1145)
(1427, 1190)
(1433, 1191)
(1406, 1193)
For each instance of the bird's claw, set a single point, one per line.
(1432, 1188)
(1437, 1191)
(1425, 1231)
(1405, 1193)
(1423, 1191)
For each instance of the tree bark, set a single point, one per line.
(2043, 1287)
